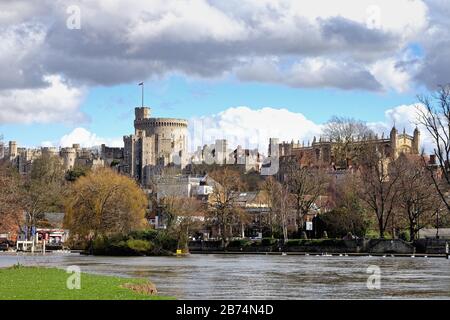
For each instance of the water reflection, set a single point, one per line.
(267, 277)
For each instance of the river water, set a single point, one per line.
(266, 277)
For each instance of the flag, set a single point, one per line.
(141, 84)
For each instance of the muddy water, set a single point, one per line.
(267, 277)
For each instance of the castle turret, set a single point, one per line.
(416, 141)
(393, 138)
(12, 150)
(142, 113)
(69, 156)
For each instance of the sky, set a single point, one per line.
(244, 70)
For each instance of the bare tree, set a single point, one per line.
(343, 132)
(279, 202)
(306, 184)
(11, 211)
(223, 206)
(379, 187)
(417, 199)
(184, 216)
(43, 189)
(435, 117)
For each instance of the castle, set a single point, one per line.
(156, 143)
(323, 151)
(70, 157)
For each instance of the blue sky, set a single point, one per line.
(110, 110)
(71, 75)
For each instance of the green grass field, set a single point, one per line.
(35, 283)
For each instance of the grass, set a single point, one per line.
(36, 283)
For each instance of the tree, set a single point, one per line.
(224, 210)
(417, 199)
(43, 189)
(379, 187)
(182, 214)
(11, 211)
(343, 132)
(278, 200)
(306, 184)
(348, 214)
(435, 117)
(104, 203)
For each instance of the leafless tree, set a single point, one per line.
(435, 117)
(379, 187)
(223, 207)
(343, 132)
(417, 201)
(279, 202)
(184, 216)
(306, 184)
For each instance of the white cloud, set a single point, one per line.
(87, 139)
(251, 128)
(58, 102)
(404, 117)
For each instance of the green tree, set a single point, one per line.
(104, 203)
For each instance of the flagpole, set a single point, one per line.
(142, 94)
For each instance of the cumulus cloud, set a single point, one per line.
(122, 41)
(57, 102)
(86, 139)
(311, 73)
(404, 117)
(252, 128)
(435, 69)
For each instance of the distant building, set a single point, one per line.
(70, 157)
(323, 151)
(245, 160)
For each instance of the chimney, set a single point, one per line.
(433, 159)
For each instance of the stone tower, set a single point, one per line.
(157, 142)
(69, 156)
(416, 141)
(394, 137)
(274, 147)
(12, 150)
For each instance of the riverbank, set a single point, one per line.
(37, 283)
(325, 246)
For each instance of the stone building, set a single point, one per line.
(156, 143)
(322, 151)
(70, 157)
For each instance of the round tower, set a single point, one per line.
(69, 156)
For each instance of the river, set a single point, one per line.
(266, 277)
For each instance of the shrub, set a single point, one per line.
(139, 246)
(316, 242)
(148, 234)
(266, 242)
(239, 243)
(405, 236)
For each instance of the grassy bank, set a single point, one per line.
(35, 283)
